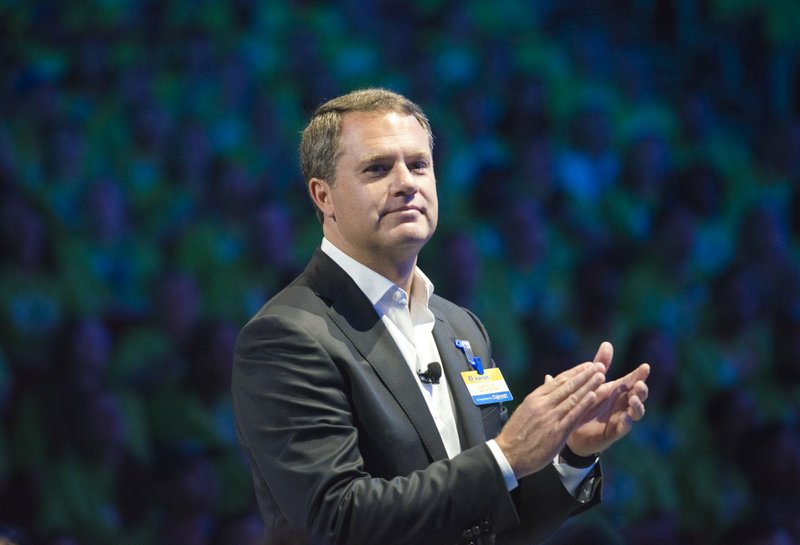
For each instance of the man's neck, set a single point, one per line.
(397, 268)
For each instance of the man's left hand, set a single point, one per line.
(620, 403)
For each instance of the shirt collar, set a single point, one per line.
(374, 285)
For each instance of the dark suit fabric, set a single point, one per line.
(340, 438)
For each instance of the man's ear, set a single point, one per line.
(320, 192)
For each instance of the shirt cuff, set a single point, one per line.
(571, 477)
(502, 462)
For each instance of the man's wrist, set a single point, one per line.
(568, 457)
(502, 462)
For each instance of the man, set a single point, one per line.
(353, 437)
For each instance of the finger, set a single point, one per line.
(575, 376)
(641, 390)
(613, 392)
(577, 400)
(569, 384)
(576, 410)
(643, 371)
(637, 397)
(638, 388)
(605, 353)
(640, 374)
(636, 408)
(548, 378)
(611, 398)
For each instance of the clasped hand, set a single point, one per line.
(577, 407)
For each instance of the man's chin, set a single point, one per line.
(412, 234)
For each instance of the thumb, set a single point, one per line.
(605, 354)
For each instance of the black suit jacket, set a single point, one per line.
(342, 443)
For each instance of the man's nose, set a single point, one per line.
(405, 181)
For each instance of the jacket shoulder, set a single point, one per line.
(460, 318)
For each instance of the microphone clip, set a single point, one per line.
(432, 374)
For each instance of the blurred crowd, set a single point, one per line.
(626, 170)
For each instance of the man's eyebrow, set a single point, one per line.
(391, 155)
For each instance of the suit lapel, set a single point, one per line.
(352, 312)
(454, 362)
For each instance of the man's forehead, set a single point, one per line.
(371, 127)
(358, 118)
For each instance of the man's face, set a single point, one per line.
(383, 203)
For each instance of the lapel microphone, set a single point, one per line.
(432, 375)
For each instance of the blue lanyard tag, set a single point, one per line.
(473, 360)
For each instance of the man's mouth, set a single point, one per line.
(407, 208)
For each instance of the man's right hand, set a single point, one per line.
(539, 427)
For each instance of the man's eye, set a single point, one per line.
(419, 165)
(377, 169)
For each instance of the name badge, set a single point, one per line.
(488, 387)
